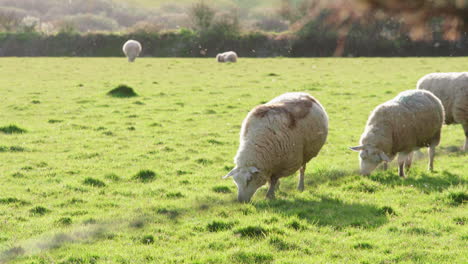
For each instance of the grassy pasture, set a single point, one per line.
(90, 178)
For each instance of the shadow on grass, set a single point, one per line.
(328, 212)
(454, 151)
(424, 181)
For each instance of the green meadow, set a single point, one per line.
(86, 177)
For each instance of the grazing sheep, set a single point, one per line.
(452, 90)
(413, 119)
(277, 139)
(132, 49)
(228, 56)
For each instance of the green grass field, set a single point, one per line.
(76, 181)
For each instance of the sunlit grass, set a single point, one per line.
(98, 179)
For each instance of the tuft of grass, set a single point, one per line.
(217, 226)
(12, 149)
(457, 197)
(363, 186)
(12, 200)
(12, 129)
(145, 176)
(296, 225)
(387, 210)
(175, 195)
(147, 239)
(203, 161)
(215, 142)
(363, 245)
(222, 189)
(18, 175)
(171, 213)
(252, 232)
(122, 91)
(39, 211)
(113, 177)
(54, 121)
(94, 182)
(252, 258)
(182, 172)
(460, 220)
(280, 244)
(64, 221)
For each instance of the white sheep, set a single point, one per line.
(277, 139)
(228, 56)
(131, 49)
(413, 119)
(452, 89)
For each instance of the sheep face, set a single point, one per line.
(248, 180)
(220, 58)
(369, 158)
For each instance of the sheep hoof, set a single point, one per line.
(300, 188)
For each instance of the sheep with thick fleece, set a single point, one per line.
(277, 139)
(452, 89)
(413, 119)
(228, 56)
(131, 49)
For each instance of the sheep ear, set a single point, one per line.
(358, 148)
(384, 157)
(231, 173)
(253, 170)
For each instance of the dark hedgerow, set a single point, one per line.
(145, 176)
(12, 129)
(122, 91)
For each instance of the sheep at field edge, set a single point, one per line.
(277, 139)
(413, 119)
(131, 49)
(228, 56)
(452, 90)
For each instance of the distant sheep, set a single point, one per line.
(277, 139)
(132, 49)
(228, 56)
(413, 119)
(452, 89)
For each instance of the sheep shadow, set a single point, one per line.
(328, 212)
(424, 181)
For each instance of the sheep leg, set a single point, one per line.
(409, 160)
(465, 128)
(300, 185)
(431, 157)
(385, 166)
(271, 189)
(401, 163)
